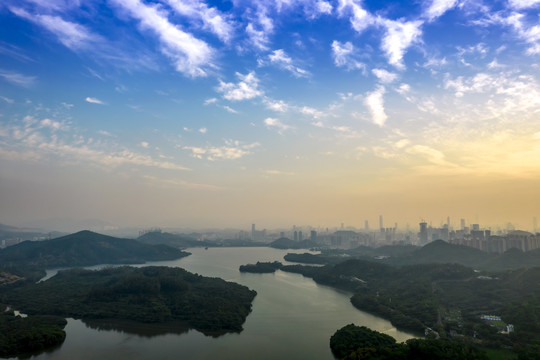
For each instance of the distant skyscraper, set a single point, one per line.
(313, 236)
(300, 237)
(381, 225)
(448, 221)
(295, 235)
(462, 222)
(282, 234)
(342, 226)
(252, 231)
(423, 235)
(366, 225)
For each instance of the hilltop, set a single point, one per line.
(85, 248)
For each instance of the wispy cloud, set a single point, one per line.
(260, 28)
(230, 109)
(8, 100)
(190, 55)
(212, 19)
(375, 104)
(344, 55)
(385, 76)
(72, 35)
(246, 88)
(283, 61)
(277, 124)
(438, 7)
(92, 100)
(398, 37)
(232, 150)
(17, 78)
(275, 105)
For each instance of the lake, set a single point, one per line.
(292, 317)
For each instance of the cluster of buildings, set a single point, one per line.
(481, 239)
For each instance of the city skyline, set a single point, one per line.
(221, 114)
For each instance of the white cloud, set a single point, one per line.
(94, 101)
(145, 144)
(190, 55)
(306, 110)
(210, 101)
(203, 130)
(283, 61)
(432, 155)
(276, 123)
(8, 100)
(212, 19)
(230, 109)
(245, 89)
(105, 133)
(375, 103)
(17, 78)
(398, 37)
(260, 29)
(523, 4)
(72, 35)
(385, 76)
(360, 18)
(279, 106)
(345, 56)
(438, 8)
(232, 150)
(54, 125)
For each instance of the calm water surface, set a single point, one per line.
(292, 317)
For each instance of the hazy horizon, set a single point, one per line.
(223, 114)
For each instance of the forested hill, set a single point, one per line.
(85, 248)
(176, 240)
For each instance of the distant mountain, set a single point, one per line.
(12, 232)
(68, 225)
(176, 240)
(85, 248)
(441, 252)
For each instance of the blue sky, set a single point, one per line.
(224, 113)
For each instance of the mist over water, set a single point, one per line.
(292, 317)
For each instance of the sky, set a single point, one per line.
(193, 113)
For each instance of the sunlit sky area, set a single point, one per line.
(194, 113)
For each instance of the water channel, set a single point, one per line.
(292, 318)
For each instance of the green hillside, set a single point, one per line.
(84, 248)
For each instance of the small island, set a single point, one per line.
(150, 295)
(261, 267)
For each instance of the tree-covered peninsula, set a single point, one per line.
(358, 342)
(84, 248)
(149, 294)
(26, 335)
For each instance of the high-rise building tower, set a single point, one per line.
(366, 225)
(300, 237)
(313, 236)
(252, 231)
(462, 223)
(423, 235)
(381, 225)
